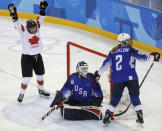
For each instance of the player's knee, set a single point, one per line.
(115, 101)
(40, 77)
(26, 80)
(135, 100)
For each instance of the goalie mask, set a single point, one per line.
(124, 39)
(31, 26)
(82, 69)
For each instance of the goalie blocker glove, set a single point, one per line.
(156, 56)
(58, 99)
(13, 12)
(43, 5)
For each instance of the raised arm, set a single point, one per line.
(13, 13)
(43, 5)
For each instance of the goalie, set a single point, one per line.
(81, 96)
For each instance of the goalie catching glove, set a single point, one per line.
(13, 12)
(57, 100)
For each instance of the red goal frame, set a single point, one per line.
(89, 50)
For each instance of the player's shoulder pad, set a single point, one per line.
(73, 74)
(133, 50)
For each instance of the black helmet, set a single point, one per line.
(31, 26)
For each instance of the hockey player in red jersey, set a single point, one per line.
(31, 49)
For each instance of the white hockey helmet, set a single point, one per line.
(124, 38)
(82, 68)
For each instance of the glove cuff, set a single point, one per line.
(42, 12)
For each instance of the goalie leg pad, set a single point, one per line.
(79, 114)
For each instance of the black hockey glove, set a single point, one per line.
(156, 56)
(13, 12)
(57, 100)
(43, 5)
(97, 101)
(96, 76)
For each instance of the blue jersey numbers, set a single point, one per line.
(119, 62)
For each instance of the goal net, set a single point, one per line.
(94, 57)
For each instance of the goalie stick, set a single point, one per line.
(121, 113)
(88, 108)
(49, 112)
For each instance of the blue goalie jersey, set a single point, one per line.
(123, 63)
(81, 89)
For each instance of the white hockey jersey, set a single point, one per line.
(31, 43)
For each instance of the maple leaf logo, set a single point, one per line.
(34, 40)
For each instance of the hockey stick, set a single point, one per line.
(49, 112)
(121, 113)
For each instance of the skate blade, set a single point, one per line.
(140, 125)
(105, 125)
(44, 96)
(19, 103)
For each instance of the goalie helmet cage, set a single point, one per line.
(69, 44)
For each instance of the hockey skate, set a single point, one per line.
(139, 120)
(43, 93)
(20, 98)
(107, 118)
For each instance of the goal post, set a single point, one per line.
(88, 50)
(80, 47)
(69, 44)
(94, 57)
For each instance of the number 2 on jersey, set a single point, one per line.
(119, 59)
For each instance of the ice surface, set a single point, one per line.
(27, 116)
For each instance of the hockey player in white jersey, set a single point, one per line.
(31, 49)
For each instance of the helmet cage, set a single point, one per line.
(82, 68)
